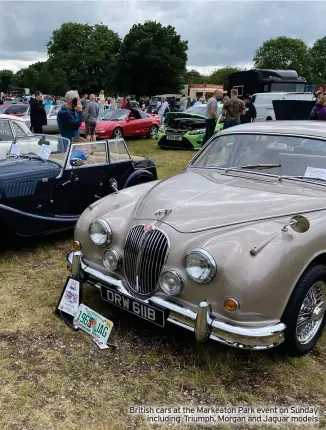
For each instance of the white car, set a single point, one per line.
(51, 115)
(264, 102)
(11, 127)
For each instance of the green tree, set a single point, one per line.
(220, 76)
(318, 53)
(152, 60)
(284, 53)
(86, 54)
(6, 78)
(194, 77)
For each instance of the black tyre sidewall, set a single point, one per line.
(291, 346)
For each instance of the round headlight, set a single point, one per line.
(100, 232)
(171, 283)
(200, 266)
(111, 259)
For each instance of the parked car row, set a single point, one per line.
(231, 249)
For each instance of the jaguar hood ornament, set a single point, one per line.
(162, 212)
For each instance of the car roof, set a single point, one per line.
(284, 92)
(296, 128)
(4, 116)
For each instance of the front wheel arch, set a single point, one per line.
(314, 274)
(116, 130)
(139, 177)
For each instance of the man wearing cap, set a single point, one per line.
(251, 113)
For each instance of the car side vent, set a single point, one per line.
(20, 189)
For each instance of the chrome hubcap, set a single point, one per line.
(117, 134)
(153, 132)
(311, 313)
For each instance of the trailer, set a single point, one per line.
(263, 81)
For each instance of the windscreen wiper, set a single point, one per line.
(257, 166)
(309, 177)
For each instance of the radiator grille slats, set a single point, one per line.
(144, 257)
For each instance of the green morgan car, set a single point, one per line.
(186, 130)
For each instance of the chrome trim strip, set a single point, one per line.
(241, 337)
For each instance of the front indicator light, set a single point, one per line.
(231, 305)
(76, 246)
(171, 283)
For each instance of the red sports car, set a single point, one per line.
(17, 109)
(117, 123)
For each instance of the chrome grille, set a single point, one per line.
(144, 256)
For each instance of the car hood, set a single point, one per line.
(107, 125)
(203, 199)
(17, 176)
(184, 121)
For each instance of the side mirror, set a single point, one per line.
(76, 162)
(131, 118)
(298, 223)
(114, 185)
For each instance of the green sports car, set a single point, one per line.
(186, 130)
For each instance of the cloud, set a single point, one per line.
(219, 33)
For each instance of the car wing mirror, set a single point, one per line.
(114, 185)
(131, 118)
(76, 162)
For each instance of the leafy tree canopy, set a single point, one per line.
(318, 55)
(284, 53)
(152, 60)
(6, 77)
(220, 76)
(86, 54)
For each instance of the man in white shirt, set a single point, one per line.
(163, 107)
(183, 103)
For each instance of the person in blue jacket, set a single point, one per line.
(70, 116)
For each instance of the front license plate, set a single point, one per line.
(142, 310)
(179, 138)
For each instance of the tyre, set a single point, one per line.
(117, 133)
(153, 132)
(304, 315)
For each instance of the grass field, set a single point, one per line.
(54, 378)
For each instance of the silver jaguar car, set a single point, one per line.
(233, 248)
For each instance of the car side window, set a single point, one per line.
(135, 114)
(17, 129)
(17, 109)
(118, 151)
(143, 115)
(5, 131)
(87, 154)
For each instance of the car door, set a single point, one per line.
(84, 178)
(121, 165)
(6, 137)
(52, 125)
(135, 124)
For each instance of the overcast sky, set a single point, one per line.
(219, 33)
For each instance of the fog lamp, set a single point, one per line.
(111, 259)
(231, 305)
(76, 246)
(171, 283)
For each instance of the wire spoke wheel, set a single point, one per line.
(311, 313)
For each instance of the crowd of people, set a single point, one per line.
(89, 109)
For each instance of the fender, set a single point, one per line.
(30, 224)
(136, 176)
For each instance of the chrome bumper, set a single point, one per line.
(202, 322)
